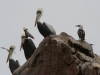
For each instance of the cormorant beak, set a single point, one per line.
(36, 19)
(28, 34)
(77, 26)
(8, 57)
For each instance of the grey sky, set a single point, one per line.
(63, 15)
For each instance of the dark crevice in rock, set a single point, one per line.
(80, 48)
(35, 62)
(85, 51)
(80, 71)
(68, 64)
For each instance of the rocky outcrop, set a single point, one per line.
(61, 55)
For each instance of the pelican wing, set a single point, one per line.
(50, 28)
(17, 63)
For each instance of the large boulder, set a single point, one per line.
(61, 55)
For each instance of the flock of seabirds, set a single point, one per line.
(27, 43)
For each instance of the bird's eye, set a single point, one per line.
(38, 12)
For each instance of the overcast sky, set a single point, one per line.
(63, 15)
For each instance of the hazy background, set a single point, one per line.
(63, 15)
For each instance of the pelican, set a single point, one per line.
(81, 32)
(44, 28)
(27, 44)
(13, 65)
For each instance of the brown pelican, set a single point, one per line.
(43, 28)
(81, 32)
(13, 65)
(27, 44)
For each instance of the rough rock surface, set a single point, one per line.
(61, 55)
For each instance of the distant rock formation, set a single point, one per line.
(61, 55)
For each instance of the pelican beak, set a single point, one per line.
(8, 57)
(36, 19)
(28, 34)
(21, 45)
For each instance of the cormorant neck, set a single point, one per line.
(81, 27)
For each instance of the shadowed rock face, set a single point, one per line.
(61, 55)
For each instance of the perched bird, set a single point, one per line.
(44, 28)
(13, 65)
(27, 44)
(81, 32)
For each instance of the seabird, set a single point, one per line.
(13, 65)
(27, 44)
(44, 28)
(81, 32)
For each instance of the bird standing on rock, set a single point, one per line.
(13, 65)
(81, 32)
(27, 44)
(43, 28)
